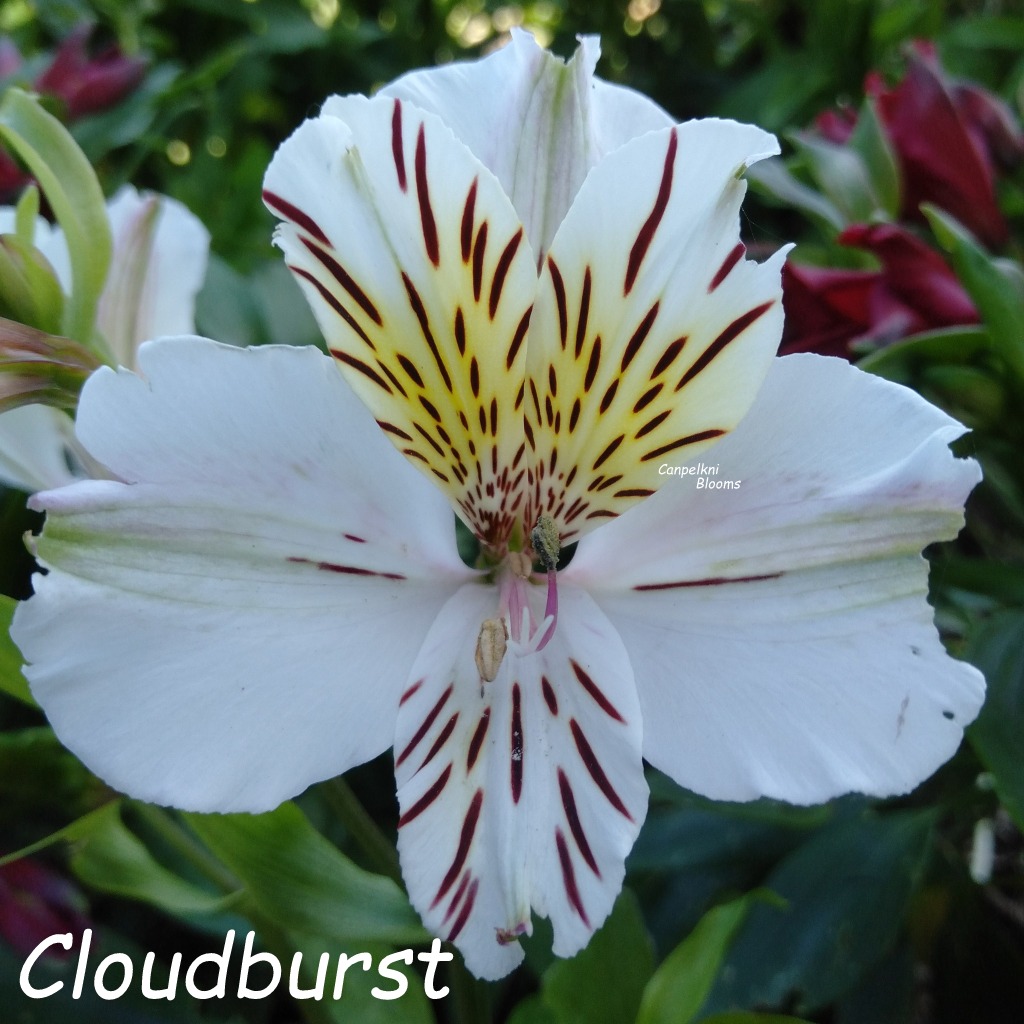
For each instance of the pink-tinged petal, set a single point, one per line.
(539, 123)
(237, 618)
(157, 269)
(780, 632)
(422, 281)
(652, 332)
(525, 792)
(34, 444)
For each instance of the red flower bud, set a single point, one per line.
(832, 311)
(89, 84)
(946, 136)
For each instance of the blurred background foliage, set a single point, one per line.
(903, 912)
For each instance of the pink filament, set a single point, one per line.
(513, 603)
(551, 608)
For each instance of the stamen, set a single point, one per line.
(525, 635)
(516, 617)
(490, 648)
(534, 636)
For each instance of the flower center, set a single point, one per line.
(516, 627)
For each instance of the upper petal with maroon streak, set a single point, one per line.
(421, 278)
(652, 332)
(539, 123)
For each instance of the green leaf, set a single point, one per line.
(357, 1002)
(40, 782)
(603, 983)
(975, 396)
(773, 179)
(904, 360)
(532, 1011)
(996, 648)
(77, 831)
(847, 891)
(129, 120)
(114, 860)
(681, 984)
(744, 1017)
(994, 291)
(12, 682)
(301, 882)
(1004, 583)
(987, 33)
(70, 186)
(752, 1018)
(870, 141)
(841, 173)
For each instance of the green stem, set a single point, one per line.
(177, 837)
(363, 829)
(472, 998)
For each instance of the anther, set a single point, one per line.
(546, 544)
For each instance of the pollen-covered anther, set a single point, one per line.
(491, 643)
(547, 547)
(546, 544)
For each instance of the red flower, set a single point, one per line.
(948, 136)
(836, 125)
(83, 84)
(89, 84)
(833, 311)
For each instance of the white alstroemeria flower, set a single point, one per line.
(156, 270)
(273, 594)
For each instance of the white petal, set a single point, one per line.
(539, 123)
(237, 620)
(780, 633)
(34, 443)
(651, 334)
(156, 271)
(417, 270)
(523, 792)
